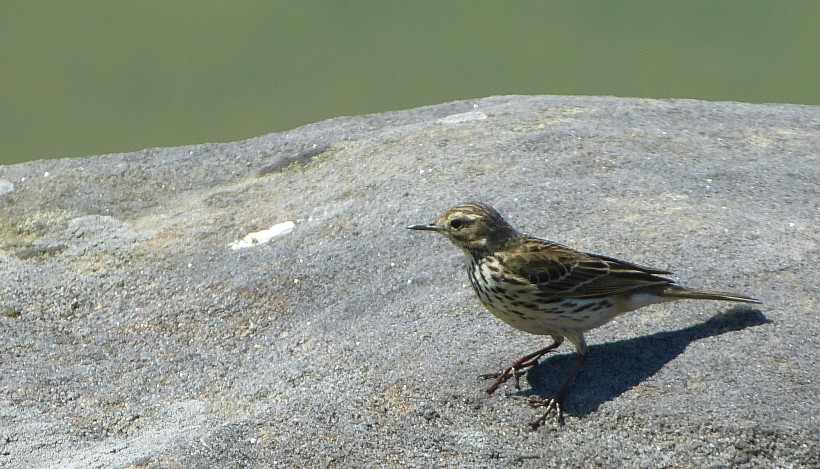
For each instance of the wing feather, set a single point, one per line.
(559, 271)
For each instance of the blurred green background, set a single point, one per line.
(98, 76)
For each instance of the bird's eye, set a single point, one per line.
(456, 224)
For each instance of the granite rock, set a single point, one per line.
(135, 334)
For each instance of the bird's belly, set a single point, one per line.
(552, 316)
(523, 308)
(527, 312)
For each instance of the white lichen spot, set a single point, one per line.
(6, 187)
(472, 116)
(264, 236)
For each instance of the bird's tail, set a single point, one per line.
(678, 292)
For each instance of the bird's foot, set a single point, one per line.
(502, 377)
(514, 371)
(553, 407)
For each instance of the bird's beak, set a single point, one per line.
(427, 227)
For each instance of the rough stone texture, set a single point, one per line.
(134, 336)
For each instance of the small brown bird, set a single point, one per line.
(545, 288)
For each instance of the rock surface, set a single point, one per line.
(135, 335)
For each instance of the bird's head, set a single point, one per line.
(474, 227)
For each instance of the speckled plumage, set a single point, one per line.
(545, 288)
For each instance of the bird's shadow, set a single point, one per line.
(613, 368)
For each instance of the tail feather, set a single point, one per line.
(678, 292)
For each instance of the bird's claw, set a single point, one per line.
(552, 405)
(514, 371)
(504, 376)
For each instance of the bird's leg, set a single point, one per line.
(554, 404)
(514, 370)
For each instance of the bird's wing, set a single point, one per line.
(557, 270)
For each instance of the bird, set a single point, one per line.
(545, 288)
